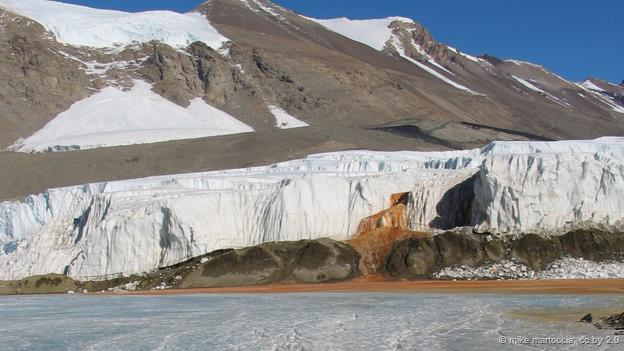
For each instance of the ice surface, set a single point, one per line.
(320, 321)
(83, 26)
(283, 120)
(106, 229)
(114, 117)
(551, 189)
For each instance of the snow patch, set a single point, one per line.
(439, 75)
(590, 85)
(521, 63)
(529, 85)
(283, 120)
(373, 32)
(99, 68)
(115, 117)
(267, 9)
(548, 95)
(471, 58)
(601, 95)
(84, 26)
(396, 42)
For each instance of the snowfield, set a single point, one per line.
(373, 32)
(102, 230)
(83, 26)
(115, 117)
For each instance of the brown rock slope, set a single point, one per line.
(353, 97)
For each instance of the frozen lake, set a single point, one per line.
(326, 321)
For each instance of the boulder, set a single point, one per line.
(593, 245)
(457, 249)
(588, 318)
(495, 250)
(535, 251)
(412, 258)
(306, 261)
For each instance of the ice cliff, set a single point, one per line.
(102, 230)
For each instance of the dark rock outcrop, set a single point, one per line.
(459, 250)
(593, 245)
(615, 321)
(412, 257)
(588, 318)
(535, 251)
(495, 250)
(419, 258)
(306, 261)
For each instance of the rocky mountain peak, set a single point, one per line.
(413, 40)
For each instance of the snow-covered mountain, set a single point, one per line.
(101, 230)
(269, 67)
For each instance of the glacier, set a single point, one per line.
(104, 230)
(83, 26)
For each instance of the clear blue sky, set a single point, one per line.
(573, 38)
